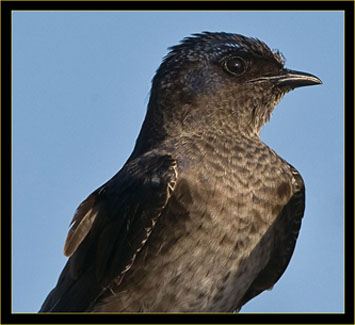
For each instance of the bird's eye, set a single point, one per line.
(235, 66)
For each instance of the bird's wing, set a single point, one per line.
(109, 228)
(283, 234)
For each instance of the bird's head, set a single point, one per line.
(215, 79)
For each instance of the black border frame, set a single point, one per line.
(6, 165)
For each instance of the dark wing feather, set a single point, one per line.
(284, 233)
(81, 224)
(110, 228)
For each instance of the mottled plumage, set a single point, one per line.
(203, 216)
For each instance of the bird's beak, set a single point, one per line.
(296, 79)
(292, 79)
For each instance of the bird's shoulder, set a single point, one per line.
(140, 189)
(282, 171)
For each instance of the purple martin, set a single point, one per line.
(203, 216)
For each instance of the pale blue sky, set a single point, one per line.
(81, 83)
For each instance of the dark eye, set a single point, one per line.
(235, 66)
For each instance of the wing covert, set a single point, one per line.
(110, 228)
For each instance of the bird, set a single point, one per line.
(203, 216)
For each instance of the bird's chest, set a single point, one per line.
(221, 207)
(243, 187)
